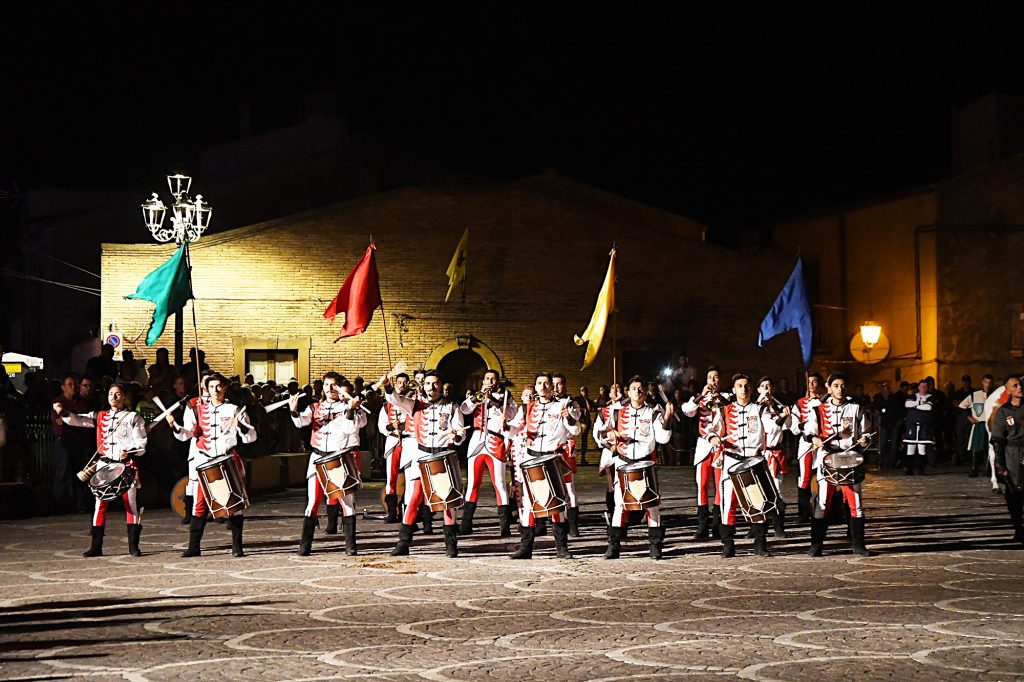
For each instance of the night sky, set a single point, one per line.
(733, 117)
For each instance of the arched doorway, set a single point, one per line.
(464, 370)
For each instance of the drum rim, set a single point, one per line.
(637, 466)
(323, 459)
(747, 463)
(826, 458)
(214, 462)
(96, 473)
(540, 460)
(436, 456)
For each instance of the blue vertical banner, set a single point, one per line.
(791, 310)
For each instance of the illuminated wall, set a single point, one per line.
(538, 252)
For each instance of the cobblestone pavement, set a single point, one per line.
(941, 598)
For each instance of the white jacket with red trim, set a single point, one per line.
(493, 436)
(116, 432)
(333, 430)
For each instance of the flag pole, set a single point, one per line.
(383, 315)
(615, 327)
(195, 326)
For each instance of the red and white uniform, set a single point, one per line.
(437, 427)
(396, 440)
(216, 433)
(545, 431)
(743, 430)
(802, 412)
(847, 420)
(704, 407)
(333, 431)
(638, 433)
(773, 453)
(193, 451)
(489, 444)
(116, 433)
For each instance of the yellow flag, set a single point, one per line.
(605, 305)
(457, 268)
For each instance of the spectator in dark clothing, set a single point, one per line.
(892, 410)
(69, 450)
(102, 365)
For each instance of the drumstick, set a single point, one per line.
(160, 417)
(273, 406)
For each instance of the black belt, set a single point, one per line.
(496, 434)
(538, 453)
(648, 458)
(435, 451)
(335, 452)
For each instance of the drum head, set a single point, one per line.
(749, 463)
(178, 496)
(328, 458)
(637, 466)
(539, 461)
(214, 463)
(437, 457)
(106, 475)
(843, 460)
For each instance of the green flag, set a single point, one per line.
(167, 288)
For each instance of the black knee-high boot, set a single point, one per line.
(561, 531)
(404, 540)
(656, 536)
(466, 524)
(195, 536)
(703, 521)
(332, 519)
(96, 546)
(349, 525)
(427, 517)
(391, 505)
(716, 521)
(819, 528)
(728, 533)
(504, 521)
(613, 543)
(451, 541)
(609, 502)
(857, 525)
(236, 523)
(525, 550)
(188, 502)
(574, 521)
(803, 503)
(134, 531)
(780, 521)
(306, 541)
(761, 539)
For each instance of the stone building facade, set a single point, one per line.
(538, 251)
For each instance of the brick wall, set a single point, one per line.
(538, 252)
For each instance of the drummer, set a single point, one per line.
(704, 406)
(632, 435)
(802, 412)
(774, 455)
(547, 424)
(120, 434)
(335, 423)
(739, 432)
(439, 427)
(840, 421)
(217, 426)
(605, 417)
(397, 426)
(488, 446)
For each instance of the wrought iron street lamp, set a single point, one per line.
(189, 219)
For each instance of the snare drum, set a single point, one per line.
(755, 489)
(843, 468)
(337, 474)
(442, 481)
(545, 484)
(638, 482)
(223, 486)
(111, 481)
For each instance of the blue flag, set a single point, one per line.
(791, 310)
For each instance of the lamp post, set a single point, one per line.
(189, 219)
(870, 331)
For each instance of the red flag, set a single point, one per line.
(359, 296)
